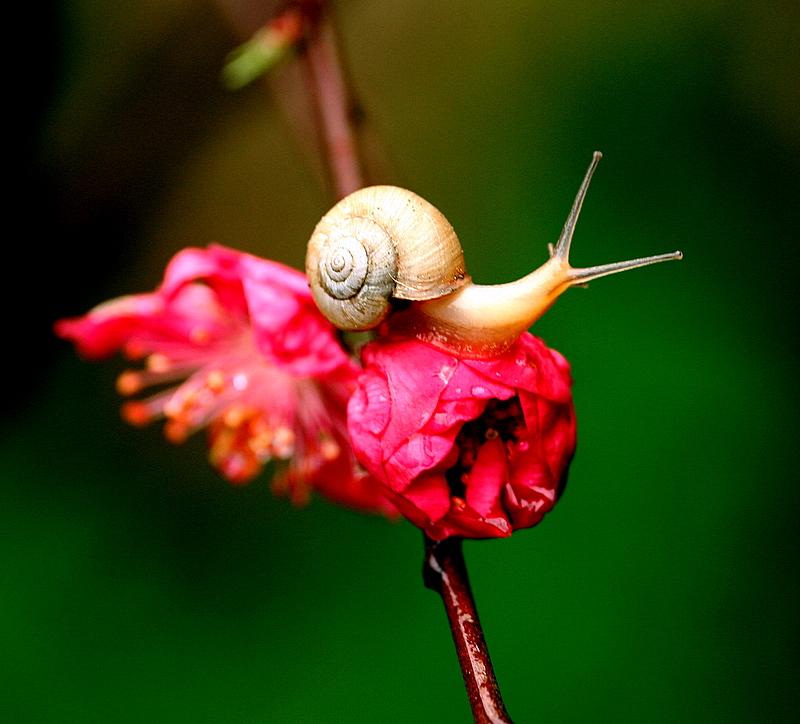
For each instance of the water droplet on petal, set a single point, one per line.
(479, 391)
(446, 372)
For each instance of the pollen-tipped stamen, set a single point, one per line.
(132, 381)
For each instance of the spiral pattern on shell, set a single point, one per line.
(379, 243)
(343, 267)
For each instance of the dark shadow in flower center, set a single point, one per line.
(501, 418)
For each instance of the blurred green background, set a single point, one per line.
(139, 586)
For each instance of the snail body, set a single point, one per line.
(383, 242)
(377, 244)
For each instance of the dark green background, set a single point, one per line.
(138, 586)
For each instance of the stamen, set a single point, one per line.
(239, 468)
(142, 412)
(129, 383)
(139, 413)
(215, 381)
(158, 362)
(182, 404)
(329, 449)
(201, 399)
(134, 350)
(176, 431)
(234, 416)
(261, 445)
(232, 450)
(283, 442)
(132, 381)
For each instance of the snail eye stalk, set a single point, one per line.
(562, 247)
(579, 276)
(483, 320)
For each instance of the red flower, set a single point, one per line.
(253, 360)
(475, 448)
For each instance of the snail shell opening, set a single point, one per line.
(379, 243)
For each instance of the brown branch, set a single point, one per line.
(332, 101)
(330, 96)
(445, 572)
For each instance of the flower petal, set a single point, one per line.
(408, 424)
(487, 478)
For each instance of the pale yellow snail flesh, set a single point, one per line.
(475, 319)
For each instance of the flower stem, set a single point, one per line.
(445, 572)
(332, 100)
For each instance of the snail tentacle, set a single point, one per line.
(484, 319)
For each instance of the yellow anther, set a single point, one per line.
(136, 413)
(176, 431)
(234, 416)
(283, 442)
(158, 362)
(129, 383)
(329, 448)
(215, 381)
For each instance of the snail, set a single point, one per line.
(384, 243)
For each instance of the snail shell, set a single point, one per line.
(379, 243)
